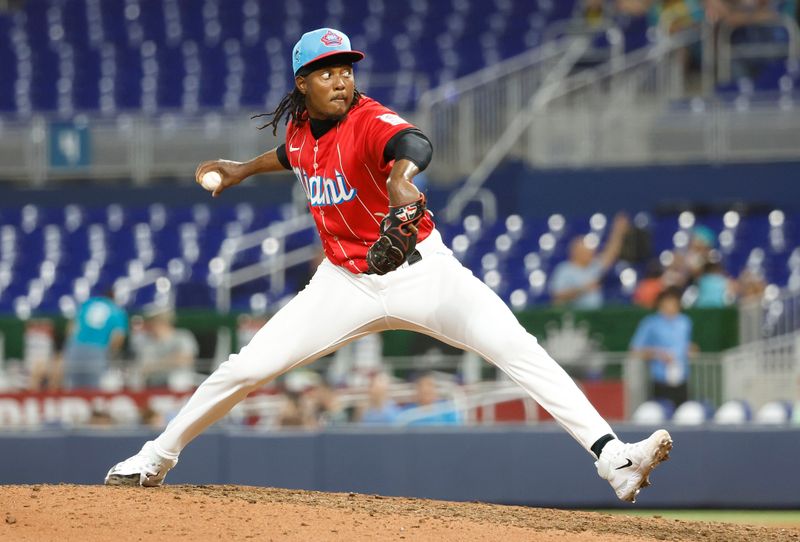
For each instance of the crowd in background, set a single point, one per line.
(159, 355)
(319, 405)
(676, 15)
(90, 355)
(696, 272)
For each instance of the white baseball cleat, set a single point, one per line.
(146, 468)
(627, 466)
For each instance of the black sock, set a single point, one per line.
(597, 447)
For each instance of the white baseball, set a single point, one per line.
(210, 180)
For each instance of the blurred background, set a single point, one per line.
(622, 173)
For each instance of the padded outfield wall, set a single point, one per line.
(740, 467)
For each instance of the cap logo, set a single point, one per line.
(331, 39)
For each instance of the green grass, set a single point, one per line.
(784, 518)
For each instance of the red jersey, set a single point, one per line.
(344, 176)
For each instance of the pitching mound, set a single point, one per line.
(68, 512)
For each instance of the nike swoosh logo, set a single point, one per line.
(293, 149)
(626, 465)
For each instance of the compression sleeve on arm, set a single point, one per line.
(283, 158)
(411, 145)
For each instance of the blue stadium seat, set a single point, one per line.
(474, 33)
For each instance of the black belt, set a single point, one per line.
(413, 258)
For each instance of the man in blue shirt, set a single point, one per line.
(429, 408)
(380, 408)
(664, 340)
(98, 332)
(577, 281)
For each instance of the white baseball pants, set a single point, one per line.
(436, 296)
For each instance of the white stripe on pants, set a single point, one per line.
(436, 296)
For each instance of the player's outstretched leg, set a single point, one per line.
(464, 312)
(312, 325)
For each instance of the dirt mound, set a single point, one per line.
(69, 512)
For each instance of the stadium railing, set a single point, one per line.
(728, 52)
(776, 315)
(272, 239)
(465, 117)
(546, 126)
(763, 371)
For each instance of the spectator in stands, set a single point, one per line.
(100, 418)
(664, 340)
(650, 286)
(744, 12)
(429, 408)
(151, 419)
(295, 412)
(593, 13)
(700, 251)
(714, 288)
(354, 364)
(164, 350)
(96, 335)
(750, 286)
(676, 15)
(40, 357)
(577, 282)
(327, 409)
(380, 408)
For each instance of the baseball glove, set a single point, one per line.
(398, 237)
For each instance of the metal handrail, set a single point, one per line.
(472, 185)
(572, 27)
(725, 49)
(548, 52)
(231, 247)
(274, 267)
(559, 84)
(125, 286)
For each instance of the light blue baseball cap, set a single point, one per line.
(322, 43)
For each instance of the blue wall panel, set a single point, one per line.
(576, 192)
(286, 459)
(714, 467)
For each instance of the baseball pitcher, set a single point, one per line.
(386, 267)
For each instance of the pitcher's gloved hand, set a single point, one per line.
(398, 237)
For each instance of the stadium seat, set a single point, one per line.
(774, 413)
(733, 413)
(77, 55)
(652, 413)
(691, 413)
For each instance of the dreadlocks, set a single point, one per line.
(292, 106)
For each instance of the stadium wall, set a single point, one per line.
(540, 192)
(710, 467)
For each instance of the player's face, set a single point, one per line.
(328, 91)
